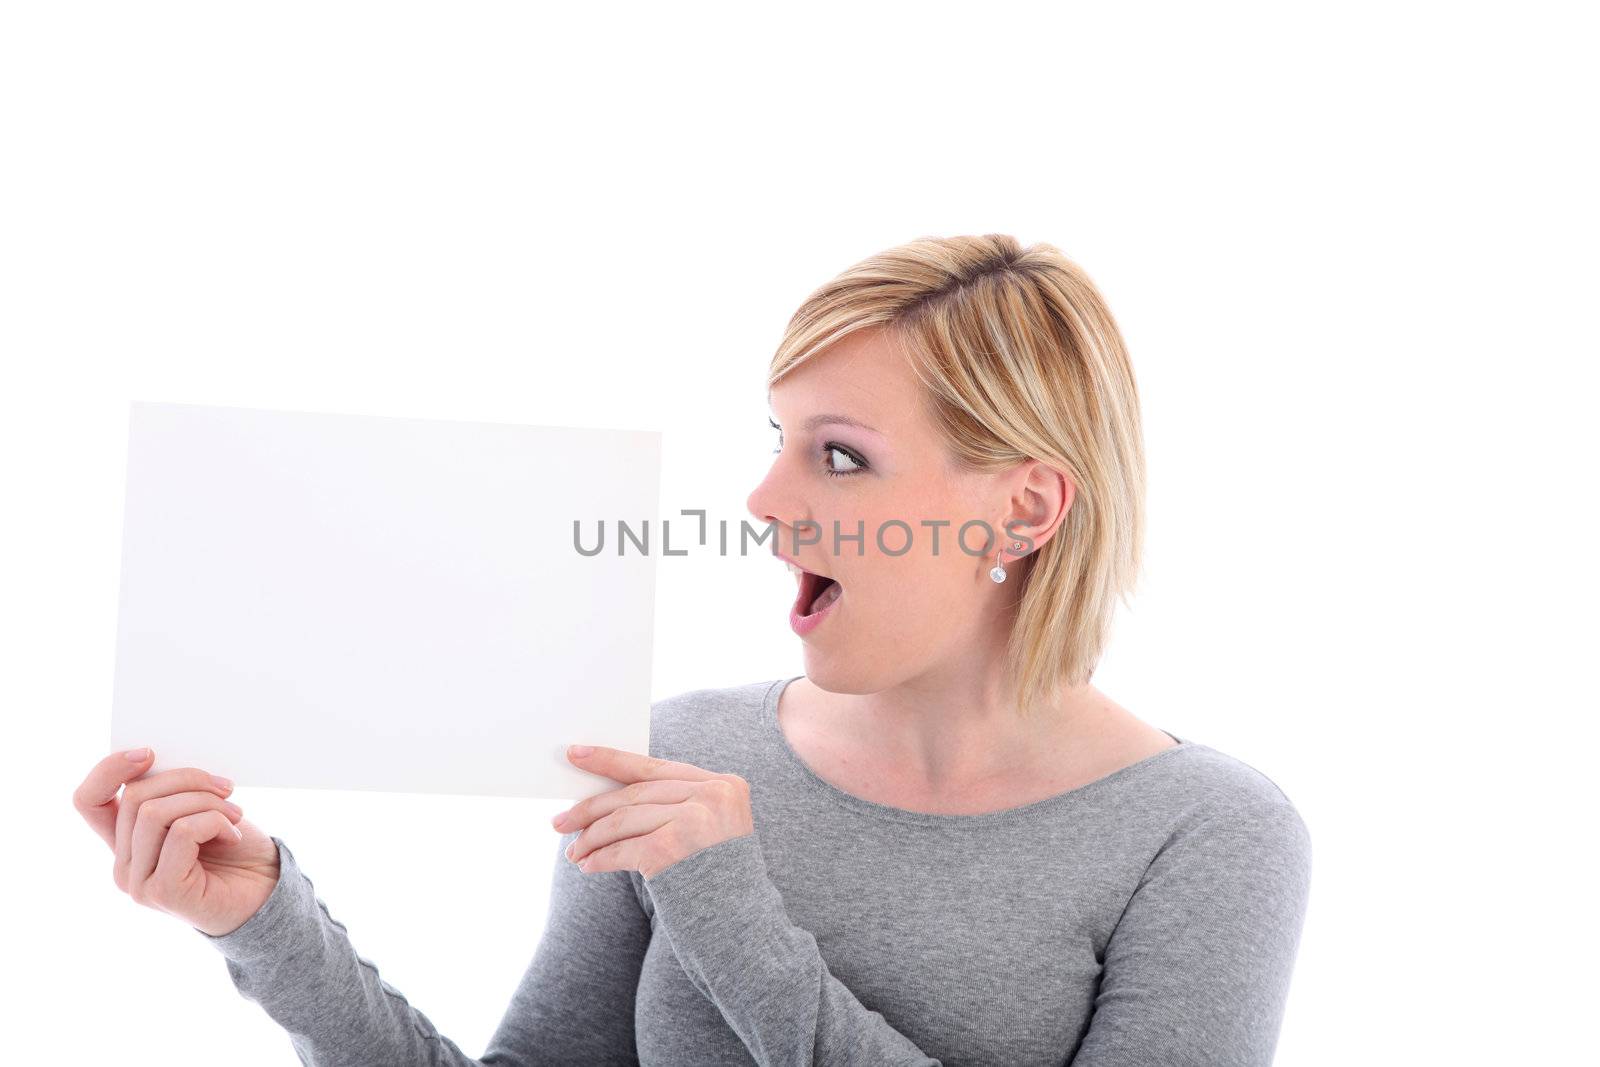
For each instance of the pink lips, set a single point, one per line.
(804, 624)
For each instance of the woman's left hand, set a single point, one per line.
(665, 812)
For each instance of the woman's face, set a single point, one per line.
(858, 449)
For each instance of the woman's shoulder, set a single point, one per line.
(1205, 793)
(1216, 779)
(708, 723)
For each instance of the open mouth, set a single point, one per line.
(817, 591)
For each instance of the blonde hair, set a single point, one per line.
(1020, 358)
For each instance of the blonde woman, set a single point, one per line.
(941, 844)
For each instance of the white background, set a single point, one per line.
(1352, 248)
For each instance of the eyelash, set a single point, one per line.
(829, 446)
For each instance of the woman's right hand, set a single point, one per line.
(181, 847)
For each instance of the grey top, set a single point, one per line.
(1149, 917)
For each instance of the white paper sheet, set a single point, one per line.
(365, 602)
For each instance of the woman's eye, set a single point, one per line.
(852, 464)
(837, 460)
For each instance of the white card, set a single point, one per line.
(365, 602)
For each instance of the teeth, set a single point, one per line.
(800, 572)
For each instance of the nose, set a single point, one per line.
(757, 503)
(772, 498)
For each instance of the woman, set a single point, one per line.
(939, 845)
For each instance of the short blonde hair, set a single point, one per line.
(1020, 358)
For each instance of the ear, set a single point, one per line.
(1041, 496)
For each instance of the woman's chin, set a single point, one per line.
(833, 672)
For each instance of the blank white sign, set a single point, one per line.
(364, 602)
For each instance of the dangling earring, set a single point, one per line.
(998, 572)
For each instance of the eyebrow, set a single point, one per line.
(814, 421)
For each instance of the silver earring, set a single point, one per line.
(998, 572)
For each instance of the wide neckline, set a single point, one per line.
(769, 717)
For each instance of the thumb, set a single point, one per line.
(96, 797)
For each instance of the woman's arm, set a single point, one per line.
(1197, 970)
(727, 925)
(573, 1005)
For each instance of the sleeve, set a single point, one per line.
(726, 923)
(1197, 969)
(574, 1003)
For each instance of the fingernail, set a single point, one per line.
(137, 754)
(580, 751)
(570, 848)
(231, 806)
(560, 821)
(221, 782)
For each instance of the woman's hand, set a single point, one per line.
(665, 812)
(179, 845)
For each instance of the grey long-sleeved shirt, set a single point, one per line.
(1149, 917)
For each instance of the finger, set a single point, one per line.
(586, 811)
(177, 867)
(96, 797)
(151, 825)
(641, 853)
(623, 766)
(635, 820)
(157, 785)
